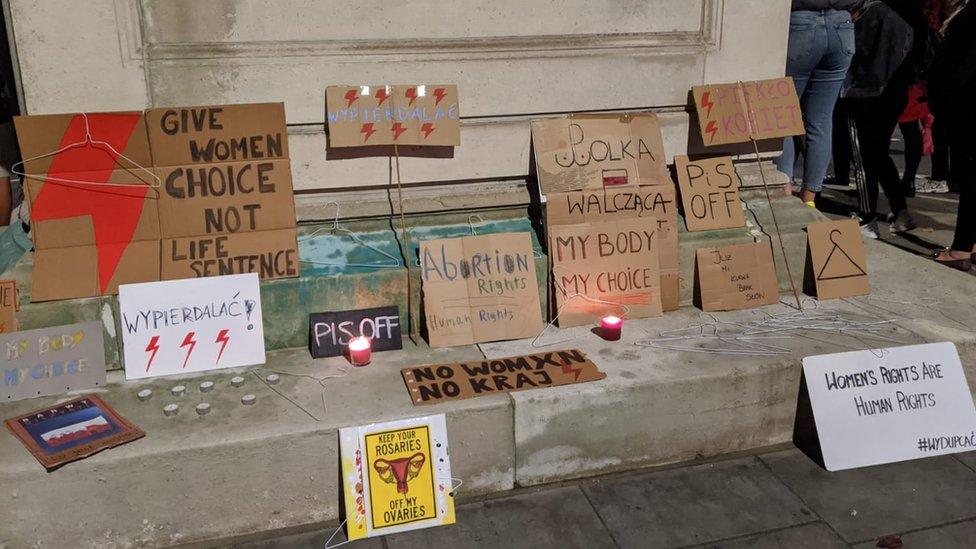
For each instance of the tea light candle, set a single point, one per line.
(359, 351)
(610, 327)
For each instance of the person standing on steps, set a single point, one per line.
(952, 86)
(819, 53)
(890, 36)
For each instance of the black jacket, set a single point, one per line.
(952, 77)
(817, 5)
(887, 34)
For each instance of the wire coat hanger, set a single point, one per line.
(89, 141)
(395, 262)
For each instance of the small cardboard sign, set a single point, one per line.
(226, 205)
(444, 382)
(888, 405)
(52, 361)
(191, 325)
(657, 201)
(739, 112)
(709, 193)
(396, 476)
(599, 151)
(741, 276)
(615, 264)
(329, 333)
(72, 430)
(360, 116)
(480, 288)
(9, 305)
(837, 264)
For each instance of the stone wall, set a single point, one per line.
(513, 61)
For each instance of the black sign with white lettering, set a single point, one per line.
(329, 333)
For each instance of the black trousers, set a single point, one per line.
(911, 132)
(962, 170)
(840, 141)
(940, 156)
(875, 119)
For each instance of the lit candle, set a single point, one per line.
(610, 327)
(359, 351)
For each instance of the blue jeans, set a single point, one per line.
(819, 53)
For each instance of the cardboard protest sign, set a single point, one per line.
(837, 264)
(396, 476)
(598, 151)
(329, 333)
(52, 361)
(742, 276)
(615, 264)
(423, 114)
(443, 382)
(9, 305)
(709, 193)
(191, 325)
(270, 254)
(479, 288)
(888, 405)
(92, 199)
(762, 109)
(654, 203)
(226, 205)
(72, 430)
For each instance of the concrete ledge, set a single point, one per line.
(243, 470)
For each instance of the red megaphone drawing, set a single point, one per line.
(400, 470)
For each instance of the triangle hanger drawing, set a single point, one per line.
(335, 228)
(88, 141)
(857, 270)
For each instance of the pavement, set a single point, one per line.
(935, 214)
(777, 497)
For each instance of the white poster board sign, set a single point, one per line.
(396, 476)
(887, 405)
(191, 325)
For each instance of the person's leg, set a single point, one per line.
(840, 139)
(822, 90)
(963, 170)
(890, 105)
(940, 156)
(872, 152)
(806, 45)
(911, 133)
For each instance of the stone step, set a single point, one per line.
(274, 465)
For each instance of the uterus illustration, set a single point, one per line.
(400, 471)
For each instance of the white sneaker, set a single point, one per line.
(932, 186)
(870, 230)
(903, 222)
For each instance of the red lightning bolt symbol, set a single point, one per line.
(567, 369)
(222, 339)
(188, 340)
(152, 348)
(439, 93)
(427, 128)
(368, 130)
(351, 97)
(706, 103)
(113, 215)
(711, 128)
(382, 95)
(411, 94)
(397, 130)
